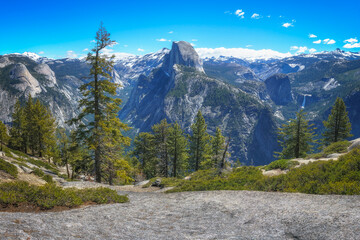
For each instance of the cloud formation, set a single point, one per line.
(352, 45)
(312, 36)
(317, 41)
(351, 40)
(163, 40)
(245, 53)
(256, 16)
(240, 13)
(171, 32)
(312, 50)
(71, 54)
(286, 25)
(140, 50)
(41, 52)
(299, 50)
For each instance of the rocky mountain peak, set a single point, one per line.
(182, 53)
(24, 81)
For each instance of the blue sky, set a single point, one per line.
(60, 28)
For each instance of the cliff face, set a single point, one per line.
(180, 88)
(279, 89)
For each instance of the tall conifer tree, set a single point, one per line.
(178, 150)
(98, 102)
(3, 135)
(296, 137)
(338, 125)
(161, 136)
(199, 142)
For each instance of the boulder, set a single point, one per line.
(354, 144)
(157, 183)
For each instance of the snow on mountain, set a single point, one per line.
(243, 53)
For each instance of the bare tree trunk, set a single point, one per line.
(222, 165)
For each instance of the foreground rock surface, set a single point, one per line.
(196, 215)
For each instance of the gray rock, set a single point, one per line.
(279, 89)
(354, 144)
(142, 183)
(23, 80)
(157, 183)
(182, 53)
(197, 215)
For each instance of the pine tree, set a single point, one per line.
(64, 144)
(296, 137)
(112, 145)
(29, 131)
(19, 130)
(338, 125)
(218, 147)
(199, 142)
(161, 136)
(98, 102)
(43, 122)
(177, 144)
(3, 135)
(18, 127)
(145, 151)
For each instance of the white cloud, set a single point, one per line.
(286, 25)
(312, 50)
(240, 13)
(351, 40)
(171, 32)
(113, 44)
(299, 49)
(107, 51)
(192, 44)
(268, 16)
(118, 55)
(245, 53)
(140, 50)
(71, 54)
(317, 42)
(93, 41)
(249, 46)
(85, 50)
(312, 36)
(352, 45)
(41, 52)
(326, 40)
(331, 41)
(163, 40)
(256, 16)
(194, 40)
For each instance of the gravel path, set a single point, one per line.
(196, 215)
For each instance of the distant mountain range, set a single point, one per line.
(247, 99)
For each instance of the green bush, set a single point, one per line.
(38, 172)
(50, 195)
(48, 178)
(282, 164)
(337, 147)
(320, 177)
(8, 168)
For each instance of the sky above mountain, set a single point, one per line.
(65, 28)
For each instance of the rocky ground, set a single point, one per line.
(196, 215)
